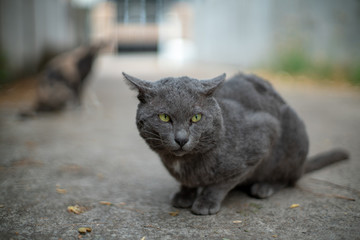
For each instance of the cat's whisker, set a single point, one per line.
(151, 133)
(158, 146)
(153, 137)
(157, 139)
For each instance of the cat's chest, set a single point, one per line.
(191, 172)
(177, 167)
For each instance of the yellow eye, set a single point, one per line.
(196, 118)
(164, 117)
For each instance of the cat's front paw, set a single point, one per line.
(183, 200)
(262, 190)
(203, 206)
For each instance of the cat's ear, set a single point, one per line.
(209, 86)
(137, 84)
(144, 87)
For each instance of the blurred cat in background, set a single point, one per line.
(62, 81)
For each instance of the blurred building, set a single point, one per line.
(240, 32)
(161, 26)
(256, 32)
(129, 25)
(32, 31)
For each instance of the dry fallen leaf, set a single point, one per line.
(295, 205)
(30, 144)
(237, 221)
(61, 190)
(100, 176)
(84, 230)
(174, 213)
(76, 209)
(274, 236)
(143, 238)
(72, 168)
(26, 162)
(151, 226)
(105, 203)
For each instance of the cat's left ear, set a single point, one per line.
(144, 87)
(211, 85)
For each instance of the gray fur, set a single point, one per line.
(247, 136)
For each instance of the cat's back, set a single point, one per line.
(252, 92)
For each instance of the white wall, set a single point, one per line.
(252, 33)
(29, 28)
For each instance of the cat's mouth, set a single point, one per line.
(179, 153)
(182, 150)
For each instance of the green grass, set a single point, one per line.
(297, 62)
(293, 62)
(354, 75)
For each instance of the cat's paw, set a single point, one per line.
(262, 190)
(183, 200)
(204, 206)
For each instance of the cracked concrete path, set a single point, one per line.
(82, 157)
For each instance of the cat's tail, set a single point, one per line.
(324, 159)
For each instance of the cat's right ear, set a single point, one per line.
(144, 88)
(211, 85)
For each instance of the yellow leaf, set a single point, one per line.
(105, 203)
(174, 213)
(61, 190)
(76, 209)
(83, 230)
(237, 221)
(295, 205)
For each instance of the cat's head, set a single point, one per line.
(178, 116)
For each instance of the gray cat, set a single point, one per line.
(213, 136)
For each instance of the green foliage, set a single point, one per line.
(297, 62)
(293, 62)
(354, 75)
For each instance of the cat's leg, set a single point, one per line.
(77, 92)
(265, 190)
(209, 200)
(185, 197)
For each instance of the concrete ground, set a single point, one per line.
(82, 157)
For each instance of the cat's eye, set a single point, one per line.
(196, 118)
(164, 117)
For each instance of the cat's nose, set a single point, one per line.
(181, 138)
(181, 141)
